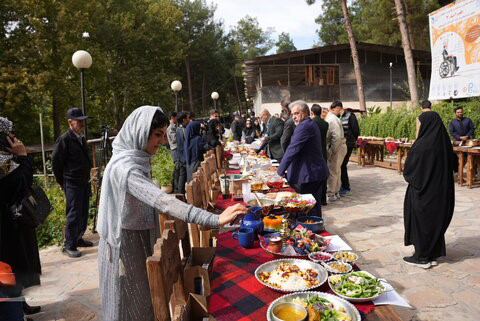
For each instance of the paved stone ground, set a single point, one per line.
(370, 220)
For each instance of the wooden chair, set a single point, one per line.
(181, 230)
(193, 229)
(219, 156)
(165, 277)
(196, 195)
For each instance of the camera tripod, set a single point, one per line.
(105, 154)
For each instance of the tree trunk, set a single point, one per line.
(409, 27)
(407, 50)
(356, 62)
(189, 82)
(204, 91)
(238, 95)
(55, 115)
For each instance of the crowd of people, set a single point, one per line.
(189, 139)
(312, 145)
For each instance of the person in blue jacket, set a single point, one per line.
(461, 128)
(303, 161)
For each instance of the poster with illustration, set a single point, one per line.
(455, 46)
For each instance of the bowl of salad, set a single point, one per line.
(358, 286)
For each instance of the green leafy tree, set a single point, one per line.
(284, 43)
(209, 58)
(332, 22)
(251, 40)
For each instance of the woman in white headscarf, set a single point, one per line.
(127, 222)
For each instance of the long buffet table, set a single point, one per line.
(237, 295)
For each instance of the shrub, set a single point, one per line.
(162, 167)
(401, 122)
(51, 231)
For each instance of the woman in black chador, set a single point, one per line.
(430, 197)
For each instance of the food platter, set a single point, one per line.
(380, 290)
(291, 250)
(337, 302)
(303, 265)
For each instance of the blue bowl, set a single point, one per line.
(315, 227)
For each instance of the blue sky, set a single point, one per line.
(292, 16)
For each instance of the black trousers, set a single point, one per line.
(324, 193)
(77, 195)
(176, 171)
(182, 177)
(344, 175)
(11, 310)
(314, 188)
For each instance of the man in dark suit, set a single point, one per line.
(272, 135)
(71, 166)
(305, 173)
(316, 116)
(288, 126)
(351, 130)
(236, 128)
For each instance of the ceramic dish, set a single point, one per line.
(346, 257)
(337, 302)
(330, 267)
(373, 281)
(324, 257)
(304, 265)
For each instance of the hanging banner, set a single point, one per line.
(455, 46)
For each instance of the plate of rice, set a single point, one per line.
(291, 275)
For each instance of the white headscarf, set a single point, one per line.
(7, 165)
(128, 154)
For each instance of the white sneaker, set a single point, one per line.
(331, 198)
(434, 263)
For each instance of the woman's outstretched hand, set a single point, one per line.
(231, 213)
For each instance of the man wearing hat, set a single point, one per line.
(71, 166)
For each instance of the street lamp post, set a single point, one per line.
(82, 60)
(176, 87)
(215, 97)
(391, 94)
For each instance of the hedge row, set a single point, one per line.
(400, 123)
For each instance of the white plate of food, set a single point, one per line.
(319, 305)
(291, 275)
(346, 257)
(359, 286)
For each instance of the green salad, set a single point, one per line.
(356, 285)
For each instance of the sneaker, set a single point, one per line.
(29, 309)
(434, 263)
(83, 243)
(410, 260)
(331, 198)
(344, 192)
(71, 253)
(337, 195)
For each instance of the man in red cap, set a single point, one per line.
(71, 166)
